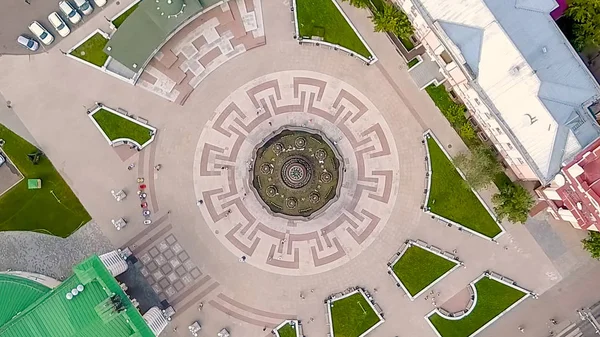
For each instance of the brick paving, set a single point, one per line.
(203, 45)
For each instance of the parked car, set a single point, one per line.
(100, 3)
(69, 11)
(28, 42)
(84, 7)
(57, 22)
(42, 33)
(2, 160)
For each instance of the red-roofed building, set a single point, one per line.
(574, 194)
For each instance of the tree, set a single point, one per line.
(455, 113)
(467, 132)
(513, 203)
(480, 167)
(592, 244)
(359, 3)
(392, 20)
(586, 22)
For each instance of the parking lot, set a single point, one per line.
(16, 15)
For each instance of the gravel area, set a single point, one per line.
(50, 255)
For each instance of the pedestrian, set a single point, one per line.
(200, 306)
(27, 2)
(270, 124)
(9, 104)
(265, 329)
(157, 167)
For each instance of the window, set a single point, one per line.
(498, 131)
(477, 101)
(509, 146)
(487, 115)
(446, 57)
(521, 161)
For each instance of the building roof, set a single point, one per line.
(521, 61)
(17, 293)
(143, 32)
(580, 190)
(88, 314)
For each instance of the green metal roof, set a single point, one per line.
(88, 314)
(139, 37)
(17, 293)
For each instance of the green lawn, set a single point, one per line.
(116, 127)
(442, 100)
(418, 268)
(493, 298)
(38, 210)
(413, 62)
(117, 22)
(352, 316)
(407, 43)
(287, 331)
(322, 18)
(451, 197)
(92, 50)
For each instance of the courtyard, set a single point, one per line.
(213, 245)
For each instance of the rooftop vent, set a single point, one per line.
(515, 70)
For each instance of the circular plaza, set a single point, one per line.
(296, 188)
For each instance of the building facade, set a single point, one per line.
(526, 89)
(574, 193)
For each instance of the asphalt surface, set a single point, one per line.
(16, 15)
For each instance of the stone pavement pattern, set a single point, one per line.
(203, 45)
(315, 101)
(239, 295)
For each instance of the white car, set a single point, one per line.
(69, 11)
(41, 33)
(84, 7)
(100, 3)
(57, 22)
(28, 42)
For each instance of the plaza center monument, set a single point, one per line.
(297, 172)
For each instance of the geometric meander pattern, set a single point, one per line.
(168, 268)
(251, 114)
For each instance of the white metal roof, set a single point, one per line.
(525, 66)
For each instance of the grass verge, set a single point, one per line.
(118, 21)
(444, 102)
(53, 209)
(352, 316)
(417, 268)
(322, 18)
(287, 331)
(115, 127)
(493, 298)
(92, 50)
(451, 197)
(413, 62)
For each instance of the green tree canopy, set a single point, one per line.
(359, 3)
(586, 17)
(392, 20)
(480, 167)
(592, 244)
(513, 203)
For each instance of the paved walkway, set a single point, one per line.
(247, 297)
(202, 46)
